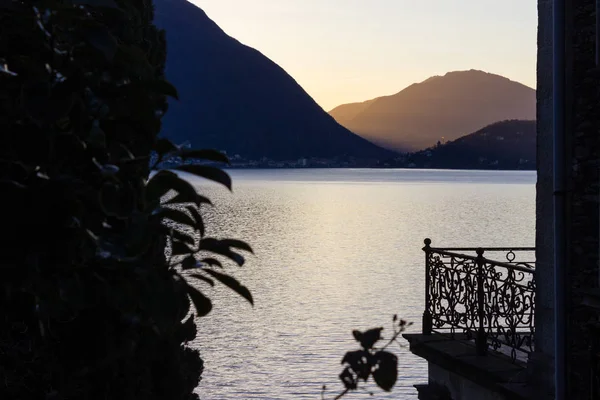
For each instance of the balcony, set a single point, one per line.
(478, 322)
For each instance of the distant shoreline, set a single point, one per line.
(379, 167)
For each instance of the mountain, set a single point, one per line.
(503, 145)
(234, 98)
(346, 112)
(441, 106)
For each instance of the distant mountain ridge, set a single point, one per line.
(506, 145)
(234, 98)
(441, 106)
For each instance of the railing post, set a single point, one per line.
(427, 323)
(481, 339)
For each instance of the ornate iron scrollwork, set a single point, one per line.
(490, 302)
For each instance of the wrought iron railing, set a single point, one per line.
(489, 302)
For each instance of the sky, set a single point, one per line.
(344, 51)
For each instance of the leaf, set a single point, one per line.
(182, 199)
(109, 199)
(203, 278)
(192, 263)
(201, 302)
(238, 244)
(180, 248)
(47, 104)
(182, 237)
(187, 330)
(232, 284)
(369, 338)
(210, 155)
(186, 191)
(128, 155)
(215, 246)
(211, 173)
(189, 263)
(158, 186)
(348, 379)
(212, 262)
(6, 185)
(131, 56)
(360, 363)
(386, 371)
(178, 216)
(198, 218)
(164, 146)
(164, 181)
(160, 86)
(97, 138)
(100, 38)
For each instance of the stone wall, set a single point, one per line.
(541, 363)
(583, 216)
(458, 387)
(582, 130)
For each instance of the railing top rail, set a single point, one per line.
(514, 266)
(485, 248)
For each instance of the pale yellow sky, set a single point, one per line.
(343, 51)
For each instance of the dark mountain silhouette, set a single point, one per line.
(502, 145)
(442, 106)
(234, 98)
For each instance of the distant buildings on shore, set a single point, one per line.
(401, 161)
(237, 161)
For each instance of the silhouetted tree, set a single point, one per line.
(91, 305)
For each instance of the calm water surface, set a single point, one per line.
(338, 250)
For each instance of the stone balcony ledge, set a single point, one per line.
(494, 372)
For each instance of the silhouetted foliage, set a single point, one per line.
(92, 305)
(371, 361)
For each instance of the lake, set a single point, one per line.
(337, 250)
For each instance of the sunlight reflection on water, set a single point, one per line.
(338, 250)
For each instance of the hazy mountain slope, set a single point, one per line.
(346, 112)
(235, 99)
(442, 106)
(502, 145)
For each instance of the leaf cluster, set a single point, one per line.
(92, 307)
(371, 361)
